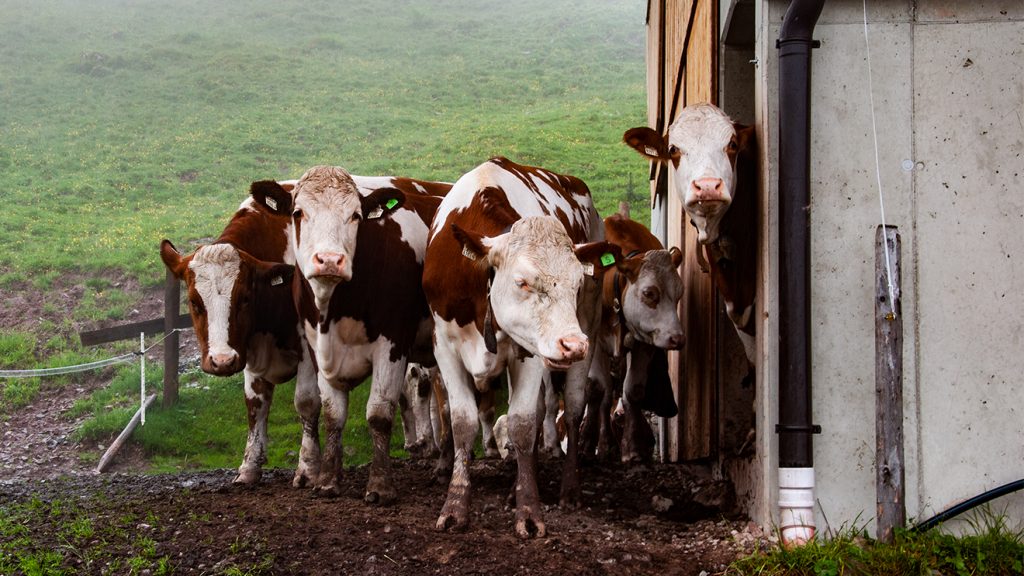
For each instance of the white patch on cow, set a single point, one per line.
(367, 185)
(523, 202)
(702, 133)
(344, 353)
(248, 204)
(419, 188)
(216, 268)
(414, 231)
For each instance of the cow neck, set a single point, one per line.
(619, 286)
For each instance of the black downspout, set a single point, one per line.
(795, 43)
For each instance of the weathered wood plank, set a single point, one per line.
(889, 463)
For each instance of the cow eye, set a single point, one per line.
(651, 295)
(674, 150)
(356, 217)
(297, 214)
(733, 146)
(523, 285)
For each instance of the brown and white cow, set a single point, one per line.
(244, 320)
(360, 253)
(508, 288)
(714, 164)
(639, 319)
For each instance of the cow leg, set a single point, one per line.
(258, 395)
(575, 385)
(387, 385)
(441, 421)
(405, 404)
(486, 413)
(421, 407)
(632, 399)
(335, 409)
(307, 404)
(525, 403)
(551, 447)
(464, 420)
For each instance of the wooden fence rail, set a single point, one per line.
(171, 320)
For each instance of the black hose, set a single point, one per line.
(967, 505)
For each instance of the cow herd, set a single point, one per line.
(509, 274)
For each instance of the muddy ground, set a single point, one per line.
(652, 519)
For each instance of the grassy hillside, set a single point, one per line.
(127, 121)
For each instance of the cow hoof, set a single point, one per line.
(530, 527)
(302, 480)
(247, 477)
(379, 497)
(451, 523)
(327, 490)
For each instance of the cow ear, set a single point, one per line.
(677, 256)
(271, 272)
(745, 137)
(473, 246)
(630, 268)
(598, 257)
(173, 259)
(648, 143)
(382, 201)
(272, 196)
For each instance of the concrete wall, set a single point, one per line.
(948, 83)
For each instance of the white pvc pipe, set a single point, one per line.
(796, 505)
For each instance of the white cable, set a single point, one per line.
(878, 170)
(61, 370)
(125, 358)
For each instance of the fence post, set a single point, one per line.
(889, 469)
(172, 295)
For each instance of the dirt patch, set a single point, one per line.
(630, 523)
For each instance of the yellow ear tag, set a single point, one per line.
(468, 253)
(271, 203)
(607, 259)
(375, 213)
(588, 269)
(276, 280)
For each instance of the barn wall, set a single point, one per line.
(949, 96)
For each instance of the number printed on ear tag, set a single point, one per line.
(607, 259)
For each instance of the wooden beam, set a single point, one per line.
(119, 441)
(125, 331)
(889, 464)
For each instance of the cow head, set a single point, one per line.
(537, 279)
(701, 149)
(650, 302)
(327, 210)
(222, 284)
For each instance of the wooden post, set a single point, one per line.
(172, 295)
(892, 512)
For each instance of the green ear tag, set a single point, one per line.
(607, 259)
(391, 203)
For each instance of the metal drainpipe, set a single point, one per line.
(796, 464)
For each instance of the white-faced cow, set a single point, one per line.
(360, 253)
(244, 319)
(640, 320)
(509, 288)
(714, 164)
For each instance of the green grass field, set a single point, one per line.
(128, 121)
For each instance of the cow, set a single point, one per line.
(244, 320)
(714, 164)
(506, 280)
(358, 295)
(639, 320)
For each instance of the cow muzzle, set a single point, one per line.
(222, 363)
(572, 349)
(329, 265)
